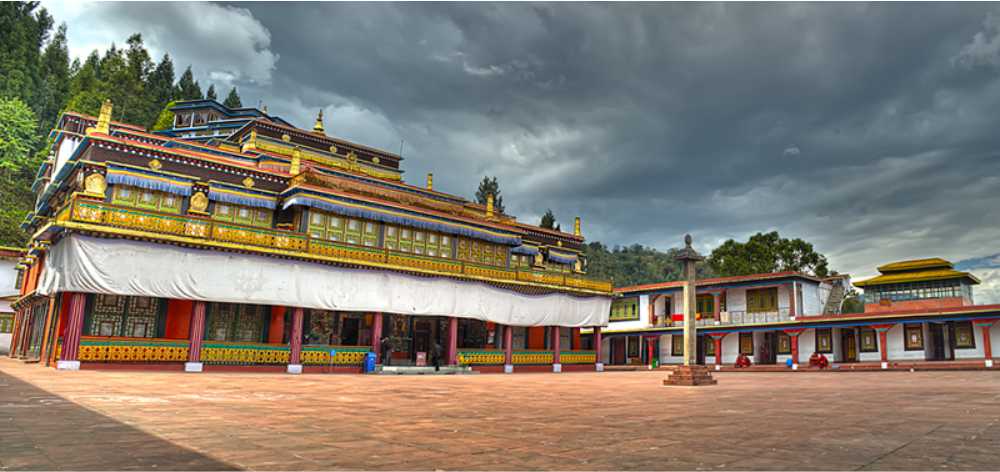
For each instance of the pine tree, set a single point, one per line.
(488, 186)
(233, 99)
(160, 86)
(55, 74)
(187, 87)
(211, 93)
(548, 220)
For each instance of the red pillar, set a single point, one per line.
(883, 345)
(508, 349)
(74, 328)
(795, 350)
(718, 351)
(452, 341)
(16, 333)
(197, 332)
(598, 341)
(556, 365)
(377, 337)
(295, 342)
(987, 344)
(717, 306)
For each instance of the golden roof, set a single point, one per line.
(916, 270)
(929, 263)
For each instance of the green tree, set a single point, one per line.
(166, 118)
(187, 87)
(233, 99)
(635, 264)
(24, 30)
(211, 93)
(55, 78)
(767, 252)
(853, 302)
(548, 220)
(19, 141)
(160, 85)
(488, 186)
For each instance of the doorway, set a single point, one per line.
(849, 345)
(767, 354)
(941, 348)
(350, 332)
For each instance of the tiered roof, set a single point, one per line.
(917, 270)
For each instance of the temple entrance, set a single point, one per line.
(849, 345)
(349, 336)
(767, 354)
(700, 356)
(939, 349)
(423, 333)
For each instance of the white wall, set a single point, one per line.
(977, 352)
(642, 322)
(813, 299)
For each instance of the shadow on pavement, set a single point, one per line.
(43, 431)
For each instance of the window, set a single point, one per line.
(241, 214)
(869, 342)
(916, 291)
(706, 306)
(340, 229)
(482, 252)
(6, 322)
(677, 345)
(914, 337)
(625, 309)
(964, 336)
(235, 322)
(824, 340)
(784, 343)
(709, 345)
(416, 241)
(746, 343)
(762, 300)
(118, 315)
(520, 261)
(147, 199)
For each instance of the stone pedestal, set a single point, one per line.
(690, 376)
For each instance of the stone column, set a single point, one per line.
(598, 350)
(69, 358)
(295, 342)
(508, 349)
(690, 374)
(195, 336)
(452, 341)
(717, 307)
(556, 365)
(377, 337)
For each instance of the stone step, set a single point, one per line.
(425, 370)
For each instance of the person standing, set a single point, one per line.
(436, 356)
(386, 344)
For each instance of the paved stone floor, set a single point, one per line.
(622, 420)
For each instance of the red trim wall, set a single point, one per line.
(276, 330)
(536, 337)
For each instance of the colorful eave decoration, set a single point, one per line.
(525, 249)
(148, 179)
(226, 193)
(347, 207)
(561, 257)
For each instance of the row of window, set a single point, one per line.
(327, 226)
(918, 291)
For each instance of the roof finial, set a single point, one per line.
(430, 181)
(489, 205)
(318, 127)
(103, 120)
(576, 227)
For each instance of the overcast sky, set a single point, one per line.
(872, 131)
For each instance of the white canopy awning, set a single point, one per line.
(80, 263)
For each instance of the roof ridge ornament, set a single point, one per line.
(318, 127)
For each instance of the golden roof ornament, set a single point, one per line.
(103, 120)
(430, 181)
(576, 227)
(296, 164)
(489, 205)
(318, 127)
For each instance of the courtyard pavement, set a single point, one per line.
(92, 420)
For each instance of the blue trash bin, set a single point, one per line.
(369, 362)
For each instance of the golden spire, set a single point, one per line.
(489, 205)
(103, 120)
(294, 168)
(318, 127)
(430, 181)
(264, 108)
(576, 227)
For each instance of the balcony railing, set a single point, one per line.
(523, 357)
(733, 317)
(267, 240)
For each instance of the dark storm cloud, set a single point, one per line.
(868, 129)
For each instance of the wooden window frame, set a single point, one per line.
(784, 343)
(828, 333)
(753, 294)
(741, 346)
(861, 340)
(677, 345)
(709, 346)
(919, 330)
(972, 335)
